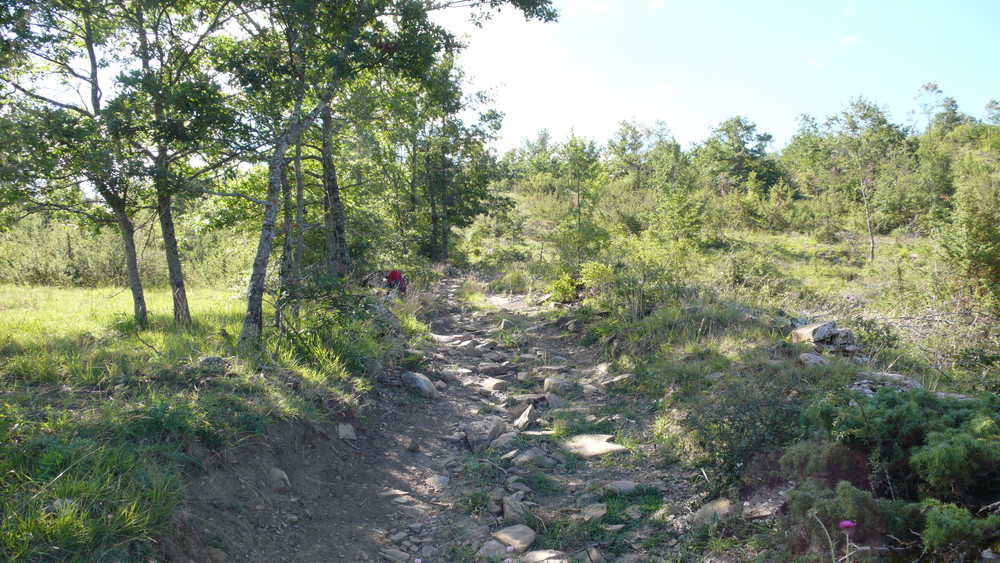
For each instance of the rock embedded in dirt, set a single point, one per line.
(503, 441)
(395, 555)
(620, 487)
(279, 479)
(215, 555)
(546, 556)
(346, 431)
(622, 379)
(594, 511)
(556, 385)
(519, 536)
(514, 510)
(815, 332)
(494, 384)
(492, 548)
(480, 433)
(419, 384)
(715, 510)
(592, 445)
(438, 482)
(526, 418)
(808, 359)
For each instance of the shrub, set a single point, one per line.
(563, 289)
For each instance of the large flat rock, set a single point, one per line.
(592, 445)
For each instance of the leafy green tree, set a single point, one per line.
(732, 153)
(864, 142)
(331, 44)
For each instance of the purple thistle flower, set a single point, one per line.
(847, 526)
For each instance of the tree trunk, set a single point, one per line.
(337, 259)
(431, 180)
(295, 276)
(444, 209)
(868, 221)
(132, 265)
(182, 315)
(285, 266)
(253, 322)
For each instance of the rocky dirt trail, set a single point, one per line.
(455, 461)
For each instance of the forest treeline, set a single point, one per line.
(853, 173)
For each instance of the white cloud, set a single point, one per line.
(849, 40)
(852, 8)
(655, 5)
(814, 63)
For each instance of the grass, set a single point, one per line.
(96, 413)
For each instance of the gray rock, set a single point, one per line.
(520, 537)
(395, 555)
(620, 487)
(718, 508)
(503, 441)
(546, 556)
(815, 332)
(492, 548)
(214, 364)
(622, 379)
(592, 445)
(419, 384)
(491, 368)
(530, 398)
(556, 385)
(877, 380)
(438, 482)
(279, 479)
(480, 433)
(594, 511)
(494, 384)
(813, 360)
(527, 418)
(515, 511)
(346, 431)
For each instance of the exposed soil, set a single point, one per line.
(369, 498)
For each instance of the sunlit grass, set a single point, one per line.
(97, 412)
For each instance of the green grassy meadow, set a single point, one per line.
(97, 418)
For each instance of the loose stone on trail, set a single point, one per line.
(592, 445)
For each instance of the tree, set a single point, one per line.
(67, 40)
(865, 141)
(331, 43)
(732, 152)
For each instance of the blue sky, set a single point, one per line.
(694, 64)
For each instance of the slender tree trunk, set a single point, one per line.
(444, 209)
(285, 266)
(132, 265)
(868, 221)
(182, 314)
(337, 260)
(295, 276)
(431, 180)
(253, 322)
(175, 274)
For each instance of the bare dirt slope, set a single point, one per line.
(402, 491)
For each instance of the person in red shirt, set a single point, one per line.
(396, 280)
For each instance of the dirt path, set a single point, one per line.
(415, 481)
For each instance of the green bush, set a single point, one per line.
(563, 289)
(948, 525)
